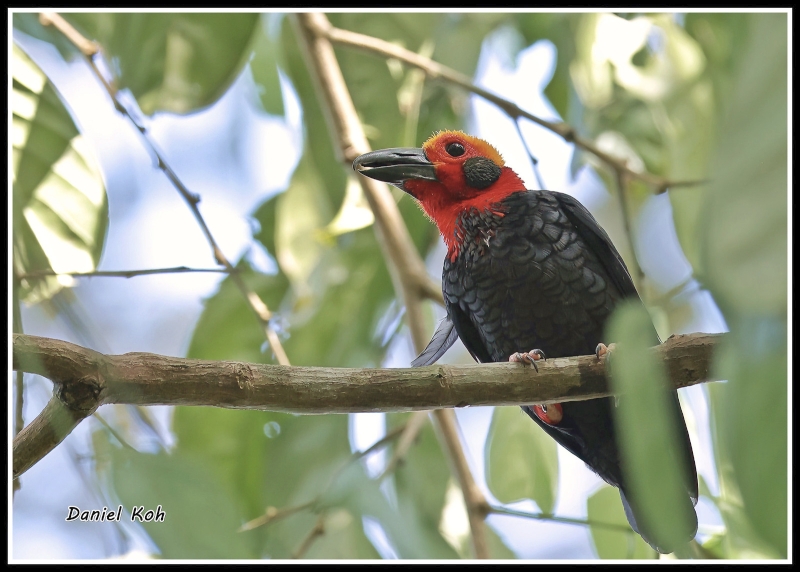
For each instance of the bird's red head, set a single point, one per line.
(452, 173)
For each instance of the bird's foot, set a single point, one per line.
(528, 358)
(603, 351)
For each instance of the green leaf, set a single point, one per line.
(648, 437)
(604, 507)
(201, 517)
(264, 66)
(60, 210)
(301, 213)
(191, 58)
(744, 235)
(521, 460)
(749, 426)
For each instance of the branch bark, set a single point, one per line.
(86, 379)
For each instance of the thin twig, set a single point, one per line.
(622, 191)
(437, 71)
(19, 386)
(272, 515)
(317, 531)
(474, 500)
(256, 304)
(409, 434)
(562, 519)
(534, 160)
(122, 273)
(111, 430)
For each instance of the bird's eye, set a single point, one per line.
(454, 149)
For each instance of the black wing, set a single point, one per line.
(598, 240)
(444, 337)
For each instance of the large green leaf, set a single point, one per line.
(604, 507)
(264, 65)
(742, 539)
(192, 58)
(744, 238)
(59, 201)
(754, 422)
(744, 244)
(653, 467)
(201, 517)
(521, 460)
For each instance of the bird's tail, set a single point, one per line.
(647, 534)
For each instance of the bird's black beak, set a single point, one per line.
(396, 166)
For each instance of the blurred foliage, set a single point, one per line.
(700, 97)
(60, 212)
(604, 507)
(521, 460)
(191, 58)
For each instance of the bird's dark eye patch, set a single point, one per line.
(455, 149)
(480, 172)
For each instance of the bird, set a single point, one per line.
(528, 275)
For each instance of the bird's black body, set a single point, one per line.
(537, 271)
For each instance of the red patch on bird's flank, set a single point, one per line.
(551, 414)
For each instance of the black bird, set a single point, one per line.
(524, 269)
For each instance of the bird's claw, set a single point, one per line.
(528, 358)
(603, 351)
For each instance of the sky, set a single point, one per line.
(217, 152)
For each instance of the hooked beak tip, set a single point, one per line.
(396, 166)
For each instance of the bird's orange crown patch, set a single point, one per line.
(483, 148)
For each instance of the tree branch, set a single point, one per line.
(435, 70)
(86, 379)
(47, 430)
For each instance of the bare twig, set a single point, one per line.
(435, 70)
(317, 531)
(562, 519)
(257, 305)
(476, 503)
(122, 273)
(531, 156)
(19, 386)
(272, 515)
(409, 434)
(622, 191)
